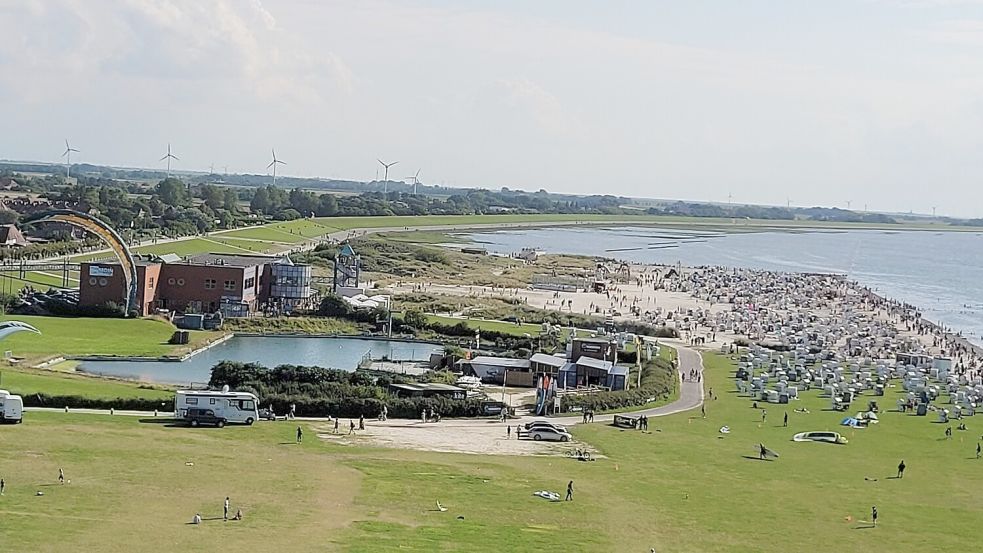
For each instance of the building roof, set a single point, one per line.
(427, 387)
(229, 260)
(595, 363)
(619, 369)
(501, 362)
(10, 234)
(551, 360)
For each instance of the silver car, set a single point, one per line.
(548, 434)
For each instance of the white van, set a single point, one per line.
(11, 408)
(232, 407)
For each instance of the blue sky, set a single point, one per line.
(875, 102)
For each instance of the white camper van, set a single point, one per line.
(230, 407)
(11, 408)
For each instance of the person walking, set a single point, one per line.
(978, 452)
(225, 509)
(873, 515)
(336, 425)
(61, 476)
(901, 467)
(764, 415)
(703, 410)
(785, 420)
(569, 491)
(948, 432)
(351, 427)
(300, 434)
(762, 451)
(3, 484)
(508, 430)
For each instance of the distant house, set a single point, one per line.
(8, 183)
(11, 236)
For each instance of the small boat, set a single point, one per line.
(830, 437)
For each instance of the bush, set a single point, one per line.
(658, 381)
(79, 402)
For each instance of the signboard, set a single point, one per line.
(490, 408)
(590, 347)
(97, 271)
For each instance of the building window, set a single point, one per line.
(230, 285)
(250, 282)
(209, 284)
(191, 400)
(151, 283)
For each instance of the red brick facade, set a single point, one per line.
(184, 287)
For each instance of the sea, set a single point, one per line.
(939, 272)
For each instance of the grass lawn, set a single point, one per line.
(132, 488)
(86, 336)
(26, 381)
(681, 488)
(496, 326)
(289, 232)
(685, 488)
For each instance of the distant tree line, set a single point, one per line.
(834, 214)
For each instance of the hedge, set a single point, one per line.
(79, 402)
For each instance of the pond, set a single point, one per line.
(269, 351)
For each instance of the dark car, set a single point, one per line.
(266, 414)
(207, 417)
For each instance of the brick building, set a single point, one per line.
(235, 285)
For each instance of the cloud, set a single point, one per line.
(235, 46)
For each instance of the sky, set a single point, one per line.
(819, 102)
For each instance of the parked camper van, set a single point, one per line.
(230, 407)
(11, 408)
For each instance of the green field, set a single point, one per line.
(290, 232)
(496, 326)
(26, 381)
(83, 336)
(684, 487)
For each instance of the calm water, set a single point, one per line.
(335, 353)
(942, 273)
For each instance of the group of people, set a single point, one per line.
(588, 416)
(225, 511)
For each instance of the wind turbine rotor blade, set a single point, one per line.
(163, 158)
(271, 164)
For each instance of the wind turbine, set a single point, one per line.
(416, 180)
(386, 178)
(848, 205)
(273, 164)
(933, 212)
(169, 156)
(68, 160)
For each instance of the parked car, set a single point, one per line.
(199, 417)
(545, 424)
(266, 414)
(549, 434)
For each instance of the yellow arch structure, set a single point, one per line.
(106, 234)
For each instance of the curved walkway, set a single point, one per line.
(690, 393)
